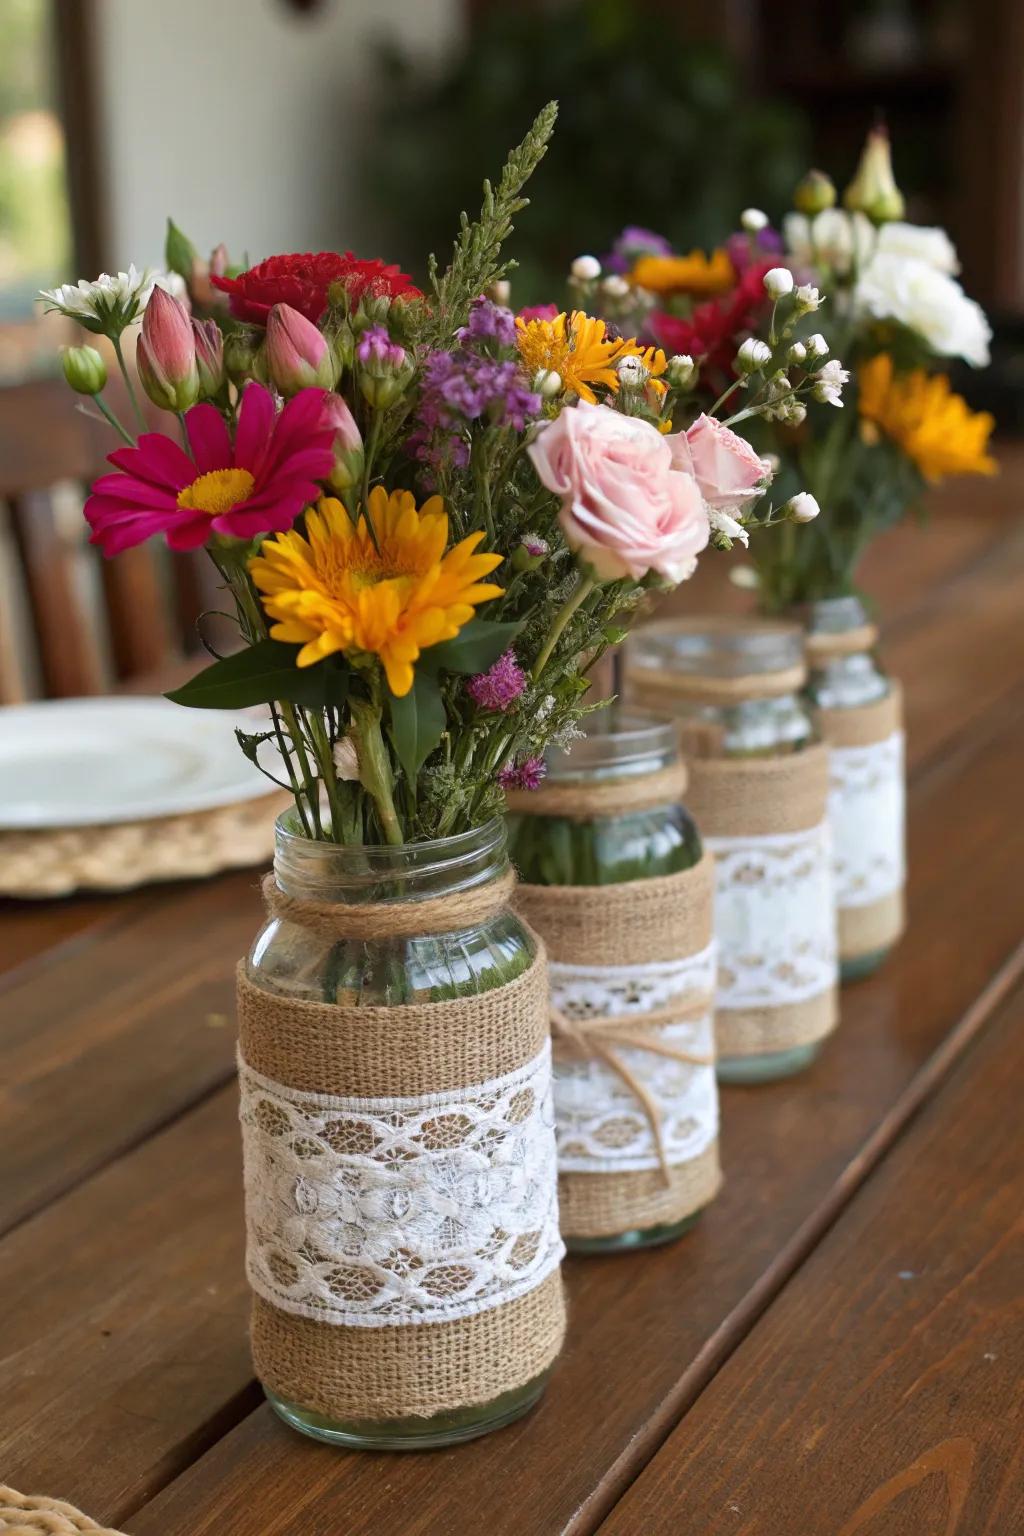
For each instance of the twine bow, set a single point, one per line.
(604, 1036)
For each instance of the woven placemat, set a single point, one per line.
(24, 1514)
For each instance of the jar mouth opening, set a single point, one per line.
(461, 860)
(620, 739)
(717, 646)
(833, 615)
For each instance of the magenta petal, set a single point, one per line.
(255, 427)
(208, 438)
(190, 534)
(133, 493)
(301, 424)
(306, 464)
(254, 520)
(158, 460)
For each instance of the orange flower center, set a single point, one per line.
(217, 492)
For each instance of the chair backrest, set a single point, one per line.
(72, 622)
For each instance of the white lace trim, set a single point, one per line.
(601, 1125)
(775, 918)
(867, 812)
(386, 1212)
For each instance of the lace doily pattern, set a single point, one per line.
(867, 813)
(775, 918)
(376, 1212)
(601, 1125)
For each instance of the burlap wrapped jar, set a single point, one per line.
(616, 882)
(400, 1168)
(859, 711)
(758, 791)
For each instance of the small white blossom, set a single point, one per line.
(807, 298)
(752, 355)
(631, 372)
(833, 238)
(346, 759)
(615, 286)
(753, 220)
(745, 576)
(796, 413)
(722, 523)
(829, 381)
(802, 508)
(680, 370)
(585, 268)
(547, 383)
(107, 305)
(778, 282)
(817, 346)
(797, 352)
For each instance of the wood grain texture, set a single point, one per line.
(645, 1333)
(881, 1394)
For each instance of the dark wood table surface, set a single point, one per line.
(836, 1350)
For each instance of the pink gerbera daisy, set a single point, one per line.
(258, 484)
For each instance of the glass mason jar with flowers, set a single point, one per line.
(431, 519)
(897, 313)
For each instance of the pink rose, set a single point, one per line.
(626, 509)
(730, 474)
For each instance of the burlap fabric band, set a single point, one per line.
(765, 797)
(585, 800)
(820, 647)
(645, 685)
(417, 1370)
(392, 919)
(639, 922)
(867, 929)
(36, 1515)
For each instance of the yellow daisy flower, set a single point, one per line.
(697, 274)
(334, 590)
(919, 411)
(576, 347)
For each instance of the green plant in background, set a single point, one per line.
(648, 123)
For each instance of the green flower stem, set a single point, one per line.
(374, 768)
(133, 397)
(118, 428)
(325, 761)
(583, 590)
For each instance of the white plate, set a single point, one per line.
(94, 762)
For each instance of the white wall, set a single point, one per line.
(243, 119)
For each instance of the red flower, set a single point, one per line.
(713, 331)
(303, 282)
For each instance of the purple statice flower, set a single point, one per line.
(489, 322)
(529, 774)
(464, 386)
(376, 346)
(535, 545)
(500, 686)
(635, 241)
(743, 249)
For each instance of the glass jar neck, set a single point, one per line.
(761, 727)
(849, 678)
(618, 743)
(357, 874)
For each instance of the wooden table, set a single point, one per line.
(835, 1350)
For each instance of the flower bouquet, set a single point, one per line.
(431, 519)
(898, 310)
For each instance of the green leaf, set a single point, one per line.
(261, 674)
(417, 723)
(476, 647)
(179, 252)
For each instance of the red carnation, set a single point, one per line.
(303, 281)
(714, 330)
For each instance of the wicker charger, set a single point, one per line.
(36, 1515)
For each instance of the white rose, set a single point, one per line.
(921, 242)
(926, 301)
(833, 239)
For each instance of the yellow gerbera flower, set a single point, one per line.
(578, 348)
(334, 590)
(697, 274)
(919, 411)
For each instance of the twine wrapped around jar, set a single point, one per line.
(866, 810)
(401, 1206)
(632, 980)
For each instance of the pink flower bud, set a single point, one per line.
(297, 355)
(348, 444)
(209, 344)
(166, 353)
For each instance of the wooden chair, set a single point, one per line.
(85, 623)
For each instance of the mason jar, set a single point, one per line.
(400, 1168)
(615, 880)
(859, 711)
(758, 792)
